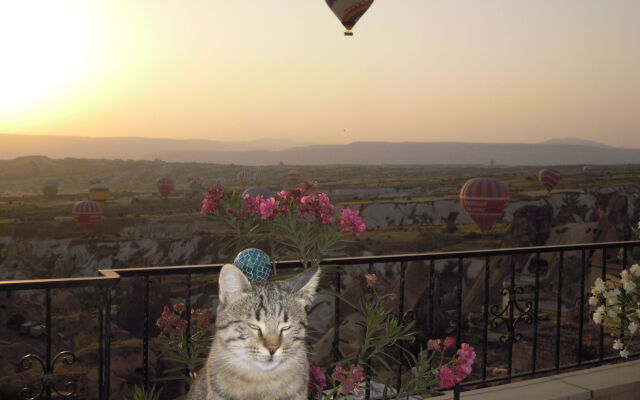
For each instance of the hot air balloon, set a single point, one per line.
(194, 179)
(484, 199)
(243, 178)
(294, 176)
(87, 214)
(549, 178)
(165, 187)
(99, 193)
(258, 191)
(258, 178)
(50, 188)
(349, 11)
(587, 169)
(195, 189)
(94, 180)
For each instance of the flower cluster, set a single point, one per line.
(296, 223)
(351, 380)
(459, 367)
(172, 323)
(617, 304)
(317, 382)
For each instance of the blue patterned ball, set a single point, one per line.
(254, 263)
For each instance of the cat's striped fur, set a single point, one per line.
(259, 349)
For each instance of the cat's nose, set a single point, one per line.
(272, 348)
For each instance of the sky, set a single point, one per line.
(415, 70)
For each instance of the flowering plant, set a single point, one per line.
(383, 348)
(299, 223)
(618, 304)
(189, 350)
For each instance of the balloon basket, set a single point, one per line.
(348, 33)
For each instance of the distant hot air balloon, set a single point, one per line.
(195, 189)
(99, 193)
(587, 169)
(549, 178)
(258, 191)
(94, 180)
(194, 179)
(484, 199)
(50, 188)
(349, 11)
(165, 187)
(294, 176)
(87, 214)
(258, 178)
(243, 178)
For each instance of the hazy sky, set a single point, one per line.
(416, 70)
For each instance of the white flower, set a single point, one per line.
(611, 297)
(624, 353)
(593, 300)
(635, 269)
(598, 286)
(618, 345)
(633, 327)
(624, 275)
(629, 286)
(598, 315)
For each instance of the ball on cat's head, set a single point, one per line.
(255, 264)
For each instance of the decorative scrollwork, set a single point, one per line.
(505, 315)
(47, 383)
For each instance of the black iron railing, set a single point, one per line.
(522, 302)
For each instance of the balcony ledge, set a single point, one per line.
(610, 382)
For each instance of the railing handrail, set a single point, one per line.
(109, 277)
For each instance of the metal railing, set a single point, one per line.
(516, 303)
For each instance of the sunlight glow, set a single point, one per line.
(44, 45)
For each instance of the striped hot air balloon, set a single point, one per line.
(165, 187)
(258, 178)
(549, 178)
(194, 179)
(87, 215)
(243, 178)
(349, 11)
(99, 193)
(294, 176)
(50, 188)
(485, 200)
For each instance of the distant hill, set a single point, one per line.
(272, 152)
(134, 148)
(419, 153)
(575, 141)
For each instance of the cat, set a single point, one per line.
(259, 350)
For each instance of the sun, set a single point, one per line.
(44, 46)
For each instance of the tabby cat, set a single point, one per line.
(259, 350)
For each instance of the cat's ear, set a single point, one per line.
(232, 283)
(306, 284)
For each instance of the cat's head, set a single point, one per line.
(263, 325)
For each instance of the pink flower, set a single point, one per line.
(371, 280)
(446, 376)
(212, 202)
(317, 204)
(268, 207)
(317, 381)
(283, 194)
(252, 204)
(170, 323)
(449, 342)
(462, 371)
(350, 222)
(466, 353)
(433, 345)
(351, 380)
